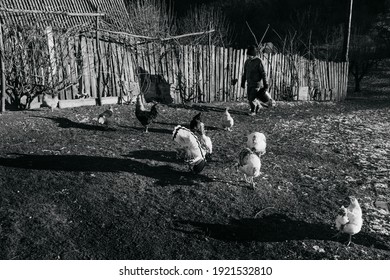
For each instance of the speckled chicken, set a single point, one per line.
(145, 117)
(342, 218)
(205, 140)
(257, 143)
(50, 100)
(104, 117)
(227, 120)
(349, 220)
(191, 147)
(249, 164)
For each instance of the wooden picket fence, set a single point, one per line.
(189, 73)
(194, 73)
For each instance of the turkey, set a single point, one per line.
(190, 147)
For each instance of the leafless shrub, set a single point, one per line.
(202, 18)
(29, 66)
(152, 18)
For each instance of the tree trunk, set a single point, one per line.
(347, 33)
(2, 73)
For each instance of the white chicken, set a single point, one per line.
(191, 147)
(105, 116)
(349, 220)
(50, 100)
(249, 164)
(257, 143)
(227, 120)
(205, 140)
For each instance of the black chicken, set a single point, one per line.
(145, 117)
(195, 123)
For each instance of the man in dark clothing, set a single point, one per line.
(254, 74)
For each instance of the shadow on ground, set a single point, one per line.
(208, 108)
(67, 123)
(150, 129)
(165, 174)
(273, 228)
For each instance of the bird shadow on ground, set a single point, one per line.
(165, 174)
(208, 108)
(275, 227)
(187, 126)
(173, 124)
(150, 129)
(67, 123)
(164, 156)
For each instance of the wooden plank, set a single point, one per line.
(59, 77)
(185, 68)
(225, 75)
(210, 73)
(332, 83)
(167, 62)
(199, 68)
(66, 69)
(205, 78)
(73, 66)
(234, 76)
(213, 72)
(85, 67)
(104, 69)
(176, 71)
(117, 70)
(216, 74)
(229, 87)
(52, 55)
(92, 72)
(121, 71)
(195, 73)
(278, 74)
(272, 75)
(221, 74)
(130, 73)
(152, 60)
(243, 58)
(275, 75)
(132, 64)
(190, 59)
(2, 72)
(216, 69)
(346, 77)
(162, 69)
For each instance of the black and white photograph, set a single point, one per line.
(195, 130)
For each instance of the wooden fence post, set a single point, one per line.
(52, 55)
(2, 72)
(99, 94)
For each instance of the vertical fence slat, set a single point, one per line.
(205, 78)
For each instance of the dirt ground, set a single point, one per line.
(71, 189)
